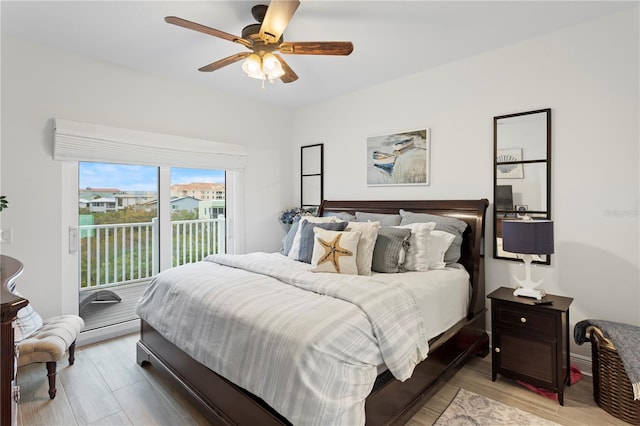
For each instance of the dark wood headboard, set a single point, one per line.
(470, 211)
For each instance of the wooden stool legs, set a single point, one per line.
(51, 374)
(72, 353)
(52, 366)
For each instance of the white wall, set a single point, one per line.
(588, 75)
(40, 83)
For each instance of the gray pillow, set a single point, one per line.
(443, 223)
(347, 217)
(386, 252)
(307, 239)
(384, 219)
(287, 241)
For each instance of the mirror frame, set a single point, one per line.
(541, 214)
(316, 172)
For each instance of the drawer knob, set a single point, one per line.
(523, 319)
(497, 350)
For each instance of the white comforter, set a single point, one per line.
(307, 343)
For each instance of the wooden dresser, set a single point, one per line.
(10, 269)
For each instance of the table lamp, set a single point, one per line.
(527, 237)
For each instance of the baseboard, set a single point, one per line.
(582, 363)
(109, 332)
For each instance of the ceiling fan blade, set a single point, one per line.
(289, 75)
(224, 62)
(276, 19)
(317, 48)
(206, 30)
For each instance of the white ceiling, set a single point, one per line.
(391, 38)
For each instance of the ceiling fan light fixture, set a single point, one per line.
(253, 66)
(271, 66)
(264, 38)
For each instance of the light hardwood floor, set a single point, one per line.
(105, 386)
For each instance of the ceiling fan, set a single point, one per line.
(264, 40)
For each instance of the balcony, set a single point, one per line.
(117, 261)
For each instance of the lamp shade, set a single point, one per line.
(527, 236)
(253, 66)
(271, 66)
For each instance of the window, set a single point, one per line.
(75, 142)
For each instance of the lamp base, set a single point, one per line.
(529, 292)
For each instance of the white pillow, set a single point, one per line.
(335, 251)
(365, 246)
(417, 255)
(439, 243)
(28, 321)
(295, 246)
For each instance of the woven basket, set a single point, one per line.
(612, 389)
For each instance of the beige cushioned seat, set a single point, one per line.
(49, 343)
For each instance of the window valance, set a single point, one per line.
(74, 141)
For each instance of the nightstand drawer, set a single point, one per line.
(527, 319)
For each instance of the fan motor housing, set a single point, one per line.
(252, 33)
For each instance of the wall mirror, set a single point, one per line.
(311, 175)
(522, 172)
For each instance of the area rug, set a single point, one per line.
(468, 408)
(574, 377)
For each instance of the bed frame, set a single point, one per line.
(391, 401)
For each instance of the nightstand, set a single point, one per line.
(530, 342)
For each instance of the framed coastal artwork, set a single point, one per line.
(507, 166)
(399, 158)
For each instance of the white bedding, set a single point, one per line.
(443, 297)
(309, 344)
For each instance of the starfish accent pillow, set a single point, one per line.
(335, 251)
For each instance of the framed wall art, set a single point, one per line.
(505, 168)
(399, 158)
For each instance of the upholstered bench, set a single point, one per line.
(49, 343)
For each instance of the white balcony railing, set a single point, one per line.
(123, 253)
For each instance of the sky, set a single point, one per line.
(139, 178)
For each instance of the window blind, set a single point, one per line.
(74, 141)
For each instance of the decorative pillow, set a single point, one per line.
(365, 246)
(287, 241)
(388, 253)
(347, 217)
(295, 246)
(443, 223)
(384, 219)
(439, 242)
(417, 256)
(335, 251)
(305, 251)
(28, 321)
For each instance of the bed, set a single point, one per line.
(388, 400)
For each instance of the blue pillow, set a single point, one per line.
(387, 251)
(385, 219)
(347, 217)
(307, 237)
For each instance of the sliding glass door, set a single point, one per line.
(121, 231)
(198, 214)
